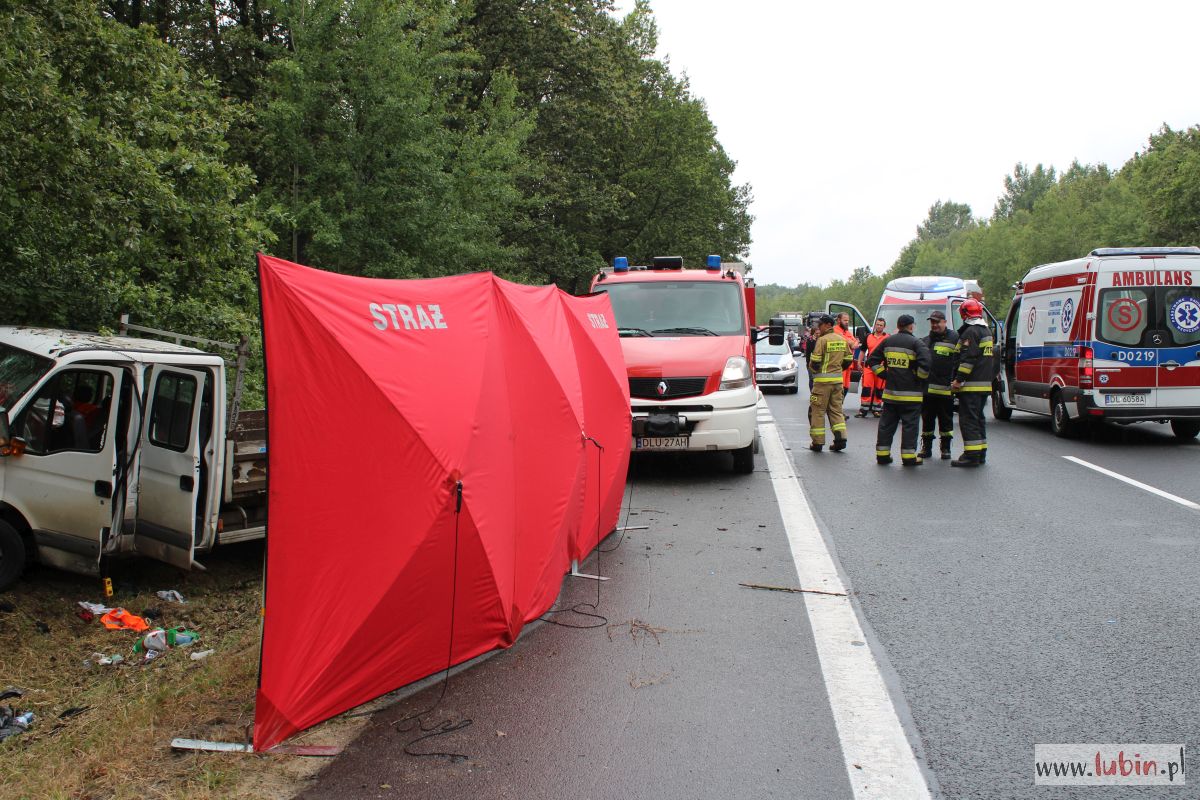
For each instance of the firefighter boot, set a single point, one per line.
(883, 457)
(945, 448)
(914, 461)
(967, 459)
(926, 447)
(816, 448)
(839, 444)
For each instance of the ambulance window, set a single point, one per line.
(1124, 316)
(1181, 308)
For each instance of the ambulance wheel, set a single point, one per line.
(743, 460)
(1061, 422)
(999, 409)
(12, 555)
(1185, 428)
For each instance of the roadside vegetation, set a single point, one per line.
(105, 731)
(149, 147)
(1042, 216)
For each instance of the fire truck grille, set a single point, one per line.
(647, 388)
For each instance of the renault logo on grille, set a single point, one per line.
(662, 388)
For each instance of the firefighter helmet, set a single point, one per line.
(971, 308)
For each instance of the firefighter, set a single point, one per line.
(973, 382)
(937, 407)
(872, 391)
(830, 355)
(903, 361)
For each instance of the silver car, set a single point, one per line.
(775, 367)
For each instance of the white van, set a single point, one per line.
(1113, 336)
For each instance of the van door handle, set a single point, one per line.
(187, 483)
(102, 489)
(1170, 364)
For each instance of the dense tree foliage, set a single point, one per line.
(149, 147)
(1042, 216)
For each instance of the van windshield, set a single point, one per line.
(919, 311)
(18, 371)
(677, 308)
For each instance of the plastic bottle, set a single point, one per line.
(23, 721)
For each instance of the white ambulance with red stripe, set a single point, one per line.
(1113, 336)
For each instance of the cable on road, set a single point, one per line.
(413, 722)
(595, 607)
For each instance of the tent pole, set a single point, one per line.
(575, 573)
(632, 528)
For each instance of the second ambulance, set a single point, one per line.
(1112, 336)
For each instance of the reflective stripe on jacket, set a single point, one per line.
(976, 361)
(830, 356)
(943, 348)
(904, 361)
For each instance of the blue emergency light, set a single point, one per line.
(713, 262)
(620, 264)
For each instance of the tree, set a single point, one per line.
(115, 188)
(945, 218)
(1022, 189)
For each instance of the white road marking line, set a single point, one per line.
(879, 760)
(1132, 482)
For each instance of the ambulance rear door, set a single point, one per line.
(857, 320)
(1179, 355)
(1127, 337)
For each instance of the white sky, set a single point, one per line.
(850, 119)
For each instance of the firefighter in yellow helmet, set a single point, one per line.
(831, 355)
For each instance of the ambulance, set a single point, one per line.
(1113, 336)
(688, 343)
(918, 296)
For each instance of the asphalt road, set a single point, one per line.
(1031, 601)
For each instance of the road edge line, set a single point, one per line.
(880, 762)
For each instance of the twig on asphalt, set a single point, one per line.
(789, 589)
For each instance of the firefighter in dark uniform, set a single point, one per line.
(937, 407)
(973, 382)
(830, 356)
(903, 360)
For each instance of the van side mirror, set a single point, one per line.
(776, 331)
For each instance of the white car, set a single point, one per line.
(775, 367)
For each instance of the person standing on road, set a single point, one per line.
(903, 361)
(937, 407)
(843, 330)
(973, 382)
(871, 400)
(829, 358)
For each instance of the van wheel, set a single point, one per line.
(1060, 422)
(743, 460)
(1000, 410)
(1185, 428)
(12, 555)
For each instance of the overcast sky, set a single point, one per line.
(850, 119)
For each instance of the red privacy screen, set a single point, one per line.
(439, 450)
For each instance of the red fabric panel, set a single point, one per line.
(375, 412)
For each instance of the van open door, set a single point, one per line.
(857, 320)
(64, 481)
(169, 471)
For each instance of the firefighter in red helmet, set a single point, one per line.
(973, 382)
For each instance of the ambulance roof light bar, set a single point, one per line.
(1145, 251)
